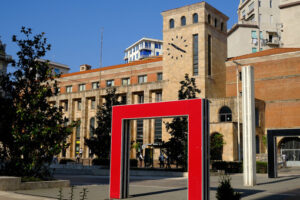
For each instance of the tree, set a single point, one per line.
(99, 144)
(32, 131)
(178, 128)
(216, 146)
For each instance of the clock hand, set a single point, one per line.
(178, 48)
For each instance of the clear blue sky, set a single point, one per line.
(73, 26)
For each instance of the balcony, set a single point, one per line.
(273, 42)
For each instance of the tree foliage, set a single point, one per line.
(178, 127)
(216, 146)
(99, 144)
(32, 131)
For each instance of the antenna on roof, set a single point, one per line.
(101, 46)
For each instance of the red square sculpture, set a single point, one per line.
(197, 112)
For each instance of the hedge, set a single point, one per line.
(65, 161)
(237, 167)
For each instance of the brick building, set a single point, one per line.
(195, 42)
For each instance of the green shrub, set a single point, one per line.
(237, 167)
(133, 162)
(65, 161)
(225, 191)
(261, 167)
(30, 179)
(101, 161)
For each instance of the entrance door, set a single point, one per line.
(290, 147)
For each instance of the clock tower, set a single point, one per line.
(195, 42)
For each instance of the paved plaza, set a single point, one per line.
(287, 186)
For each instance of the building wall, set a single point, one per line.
(176, 63)
(289, 14)
(148, 89)
(276, 82)
(268, 30)
(240, 42)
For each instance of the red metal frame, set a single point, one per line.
(193, 109)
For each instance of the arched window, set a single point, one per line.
(216, 146)
(208, 18)
(225, 114)
(92, 126)
(222, 26)
(195, 18)
(216, 22)
(171, 23)
(290, 147)
(183, 21)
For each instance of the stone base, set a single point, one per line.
(10, 183)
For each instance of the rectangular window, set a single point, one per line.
(66, 107)
(142, 79)
(156, 45)
(209, 55)
(123, 99)
(251, 7)
(253, 35)
(256, 117)
(254, 50)
(139, 131)
(158, 97)
(157, 130)
(110, 83)
(81, 87)
(271, 3)
(58, 90)
(78, 105)
(195, 55)
(78, 131)
(140, 98)
(259, 3)
(125, 81)
(95, 85)
(160, 76)
(93, 104)
(244, 14)
(56, 71)
(69, 88)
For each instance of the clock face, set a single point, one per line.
(177, 47)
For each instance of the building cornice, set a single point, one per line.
(236, 26)
(287, 5)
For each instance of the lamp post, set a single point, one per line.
(238, 108)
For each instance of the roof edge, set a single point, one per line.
(139, 62)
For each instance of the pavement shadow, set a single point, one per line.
(244, 192)
(158, 192)
(284, 179)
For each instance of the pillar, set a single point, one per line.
(249, 154)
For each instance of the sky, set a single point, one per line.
(73, 27)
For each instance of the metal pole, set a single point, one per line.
(238, 109)
(101, 47)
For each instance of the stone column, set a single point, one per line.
(249, 154)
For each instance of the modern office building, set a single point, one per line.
(144, 48)
(258, 28)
